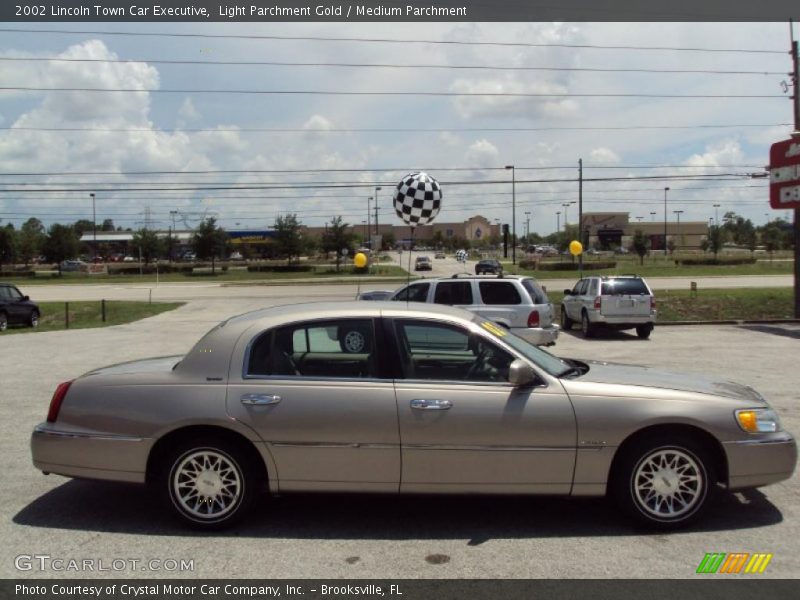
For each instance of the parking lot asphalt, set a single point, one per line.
(371, 536)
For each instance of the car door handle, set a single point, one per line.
(260, 399)
(421, 404)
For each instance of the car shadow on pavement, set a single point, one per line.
(781, 330)
(602, 334)
(121, 508)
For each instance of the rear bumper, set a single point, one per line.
(756, 462)
(620, 320)
(89, 455)
(538, 336)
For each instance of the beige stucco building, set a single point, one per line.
(606, 230)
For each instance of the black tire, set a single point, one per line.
(229, 474)
(566, 322)
(644, 331)
(3, 321)
(33, 320)
(586, 325)
(644, 479)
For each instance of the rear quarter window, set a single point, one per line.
(631, 287)
(535, 291)
(499, 292)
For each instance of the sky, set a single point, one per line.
(328, 158)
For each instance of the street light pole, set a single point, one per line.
(678, 214)
(653, 215)
(377, 189)
(716, 214)
(369, 223)
(666, 189)
(558, 221)
(513, 214)
(527, 226)
(94, 227)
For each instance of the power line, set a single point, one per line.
(388, 93)
(392, 41)
(365, 170)
(271, 63)
(387, 129)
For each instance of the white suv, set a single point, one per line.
(517, 303)
(615, 301)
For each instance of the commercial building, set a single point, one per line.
(609, 230)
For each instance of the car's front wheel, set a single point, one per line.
(3, 322)
(33, 321)
(586, 325)
(566, 322)
(664, 482)
(209, 485)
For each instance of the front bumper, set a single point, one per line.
(760, 460)
(90, 455)
(538, 336)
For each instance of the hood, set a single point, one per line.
(635, 375)
(147, 365)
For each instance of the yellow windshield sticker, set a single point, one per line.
(494, 329)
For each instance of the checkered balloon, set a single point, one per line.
(417, 199)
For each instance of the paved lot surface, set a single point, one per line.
(349, 536)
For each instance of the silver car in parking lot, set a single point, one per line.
(384, 397)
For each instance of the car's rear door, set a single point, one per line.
(316, 394)
(464, 428)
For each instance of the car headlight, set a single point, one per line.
(758, 420)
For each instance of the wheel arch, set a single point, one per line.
(693, 432)
(197, 432)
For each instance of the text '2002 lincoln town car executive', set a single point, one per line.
(381, 397)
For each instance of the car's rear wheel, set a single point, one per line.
(33, 321)
(644, 331)
(3, 322)
(566, 322)
(209, 485)
(586, 325)
(664, 482)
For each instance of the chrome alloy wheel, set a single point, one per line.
(668, 483)
(207, 485)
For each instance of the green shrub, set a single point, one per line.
(727, 260)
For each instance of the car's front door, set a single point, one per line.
(16, 308)
(464, 428)
(315, 394)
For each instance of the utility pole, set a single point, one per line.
(666, 189)
(94, 228)
(377, 189)
(368, 223)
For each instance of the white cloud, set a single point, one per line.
(603, 156)
(482, 153)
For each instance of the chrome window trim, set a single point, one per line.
(80, 435)
(312, 378)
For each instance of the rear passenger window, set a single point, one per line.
(453, 292)
(499, 292)
(342, 349)
(535, 291)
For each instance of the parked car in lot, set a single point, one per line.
(517, 303)
(423, 263)
(74, 265)
(382, 397)
(440, 255)
(488, 266)
(17, 308)
(618, 302)
(375, 295)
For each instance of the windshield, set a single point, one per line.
(545, 360)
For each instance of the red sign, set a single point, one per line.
(784, 174)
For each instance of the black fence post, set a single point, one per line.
(103, 309)
(66, 315)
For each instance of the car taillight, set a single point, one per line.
(58, 398)
(533, 319)
(597, 303)
(652, 302)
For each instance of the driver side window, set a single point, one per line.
(434, 351)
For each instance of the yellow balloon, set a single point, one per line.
(575, 248)
(360, 260)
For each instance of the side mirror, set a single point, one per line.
(520, 373)
(568, 292)
(26, 297)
